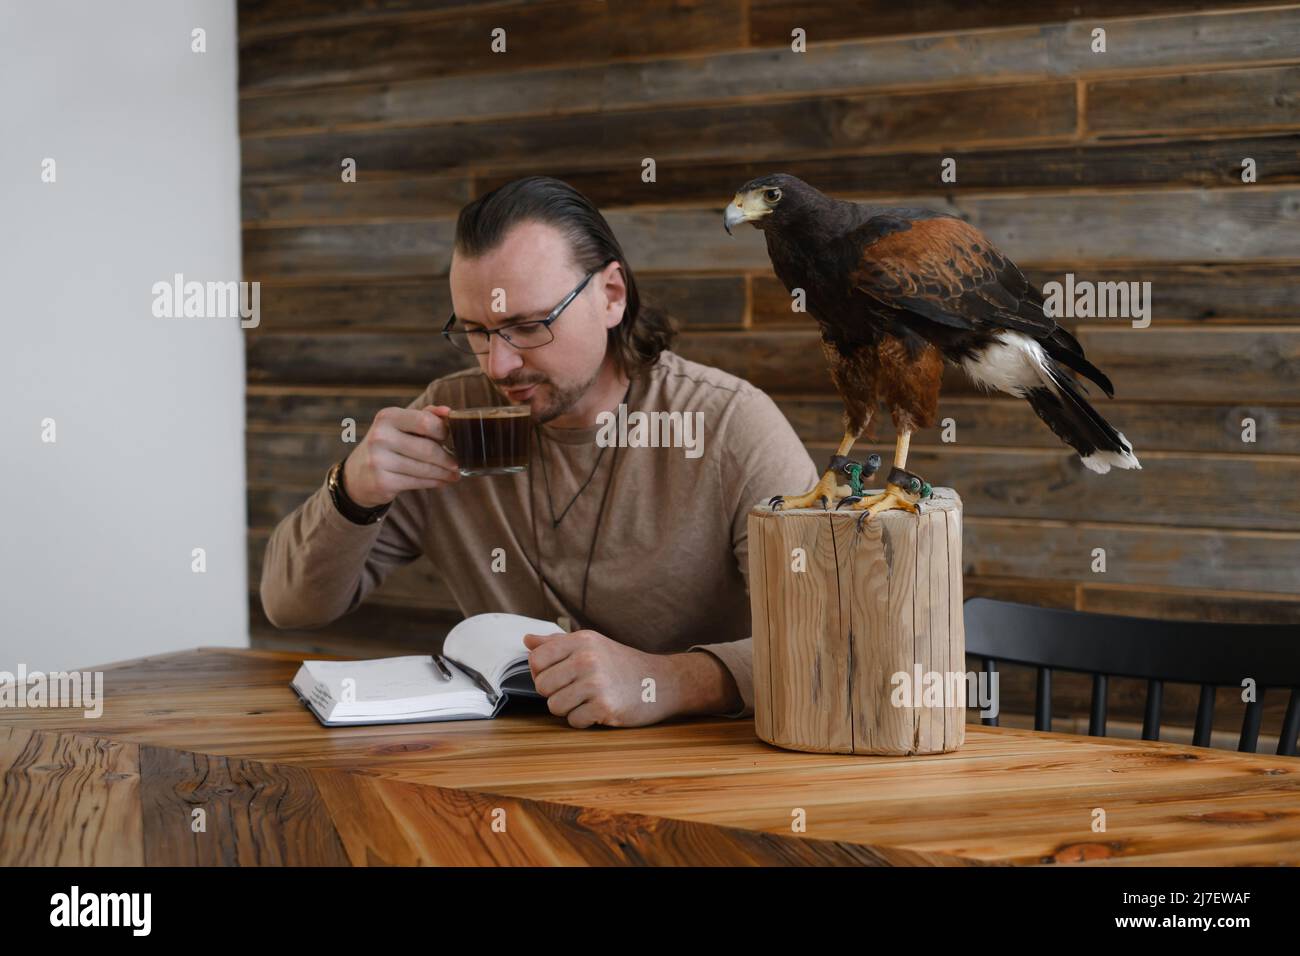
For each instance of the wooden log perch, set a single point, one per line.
(834, 623)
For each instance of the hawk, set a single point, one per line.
(897, 292)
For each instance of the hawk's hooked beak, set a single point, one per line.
(744, 208)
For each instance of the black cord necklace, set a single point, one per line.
(555, 522)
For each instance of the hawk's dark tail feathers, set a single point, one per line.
(1065, 348)
(1065, 410)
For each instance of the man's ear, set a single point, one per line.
(615, 286)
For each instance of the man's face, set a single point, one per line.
(533, 271)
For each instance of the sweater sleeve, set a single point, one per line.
(761, 456)
(320, 566)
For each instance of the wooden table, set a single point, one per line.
(220, 730)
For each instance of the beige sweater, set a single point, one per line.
(670, 568)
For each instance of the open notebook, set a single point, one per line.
(483, 651)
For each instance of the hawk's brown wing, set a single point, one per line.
(945, 270)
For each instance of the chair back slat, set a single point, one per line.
(1204, 717)
(1249, 741)
(1286, 743)
(990, 665)
(1151, 717)
(1043, 700)
(1097, 714)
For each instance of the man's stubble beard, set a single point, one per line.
(563, 399)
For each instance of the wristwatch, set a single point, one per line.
(345, 505)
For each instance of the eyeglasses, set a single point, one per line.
(522, 335)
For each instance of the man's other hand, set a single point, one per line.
(590, 679)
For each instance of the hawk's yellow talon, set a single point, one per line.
(826, 488)
(893, 498)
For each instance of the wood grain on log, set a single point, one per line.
(841, 607)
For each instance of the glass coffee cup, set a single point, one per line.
(492, 440)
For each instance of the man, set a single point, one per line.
(645, 547)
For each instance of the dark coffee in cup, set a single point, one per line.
(491, 440)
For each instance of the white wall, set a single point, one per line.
(97, 529)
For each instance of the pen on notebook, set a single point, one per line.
(478, 679)
(442, 666)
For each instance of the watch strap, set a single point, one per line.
(354, 512)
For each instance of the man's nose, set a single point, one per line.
(503, 358)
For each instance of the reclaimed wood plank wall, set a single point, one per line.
(1117, 166)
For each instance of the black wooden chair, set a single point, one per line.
(1105, 645)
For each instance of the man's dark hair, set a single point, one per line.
(645, 330)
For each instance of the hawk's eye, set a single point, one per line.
(772, 195)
